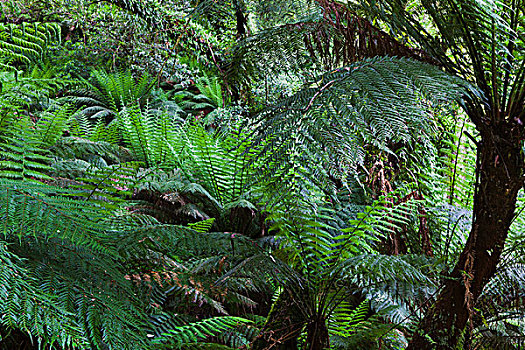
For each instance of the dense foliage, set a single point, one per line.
(262, 174)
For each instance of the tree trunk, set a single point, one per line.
(241, 20)
(499, 170)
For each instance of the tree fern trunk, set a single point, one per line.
(499, 172)
(283, 325)
(241, 21)
(317, 334)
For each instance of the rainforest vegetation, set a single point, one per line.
(275, 174)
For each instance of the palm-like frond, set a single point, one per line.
(217, 161)
(66, 251)
(478, 40)
(331, 35)
(95, 153)
(111, 92)
(27, 308)
(149, 134)
(22, 155)
(191, 333)
(373, 102)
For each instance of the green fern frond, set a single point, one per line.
(33, 88)
(22, 154)
(193, 332)
(211, 88)
(25, 307)
(109, 185)
(149, 134)
(108, 93)
(69, 248)
(23, 44)
(97, 153)
(203, 226)
(343, 321)
(22, 203)
(375, 101)
(51, 125)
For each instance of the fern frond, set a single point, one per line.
(196, 331)
(149, 134)
(109, 185)
(108, 93)
(23, 306)
(22, 155)
(22, 44)
(375, 101)
(68, 250)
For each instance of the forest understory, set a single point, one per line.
(262, 175)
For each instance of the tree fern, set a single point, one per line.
(199, 266)
(344, 320)
(220, 168)
(373, 102)
(499, 323)
(321, 35)
(336, 266)
(67, 251)
(51, 125)
(355, 328)
(108, 93)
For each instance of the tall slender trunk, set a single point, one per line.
(499, 170)
(241, 21)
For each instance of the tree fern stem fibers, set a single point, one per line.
(317, 333)
(283, 326)
(499, 172)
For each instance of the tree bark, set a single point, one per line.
(241, 20)
(499, 172)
